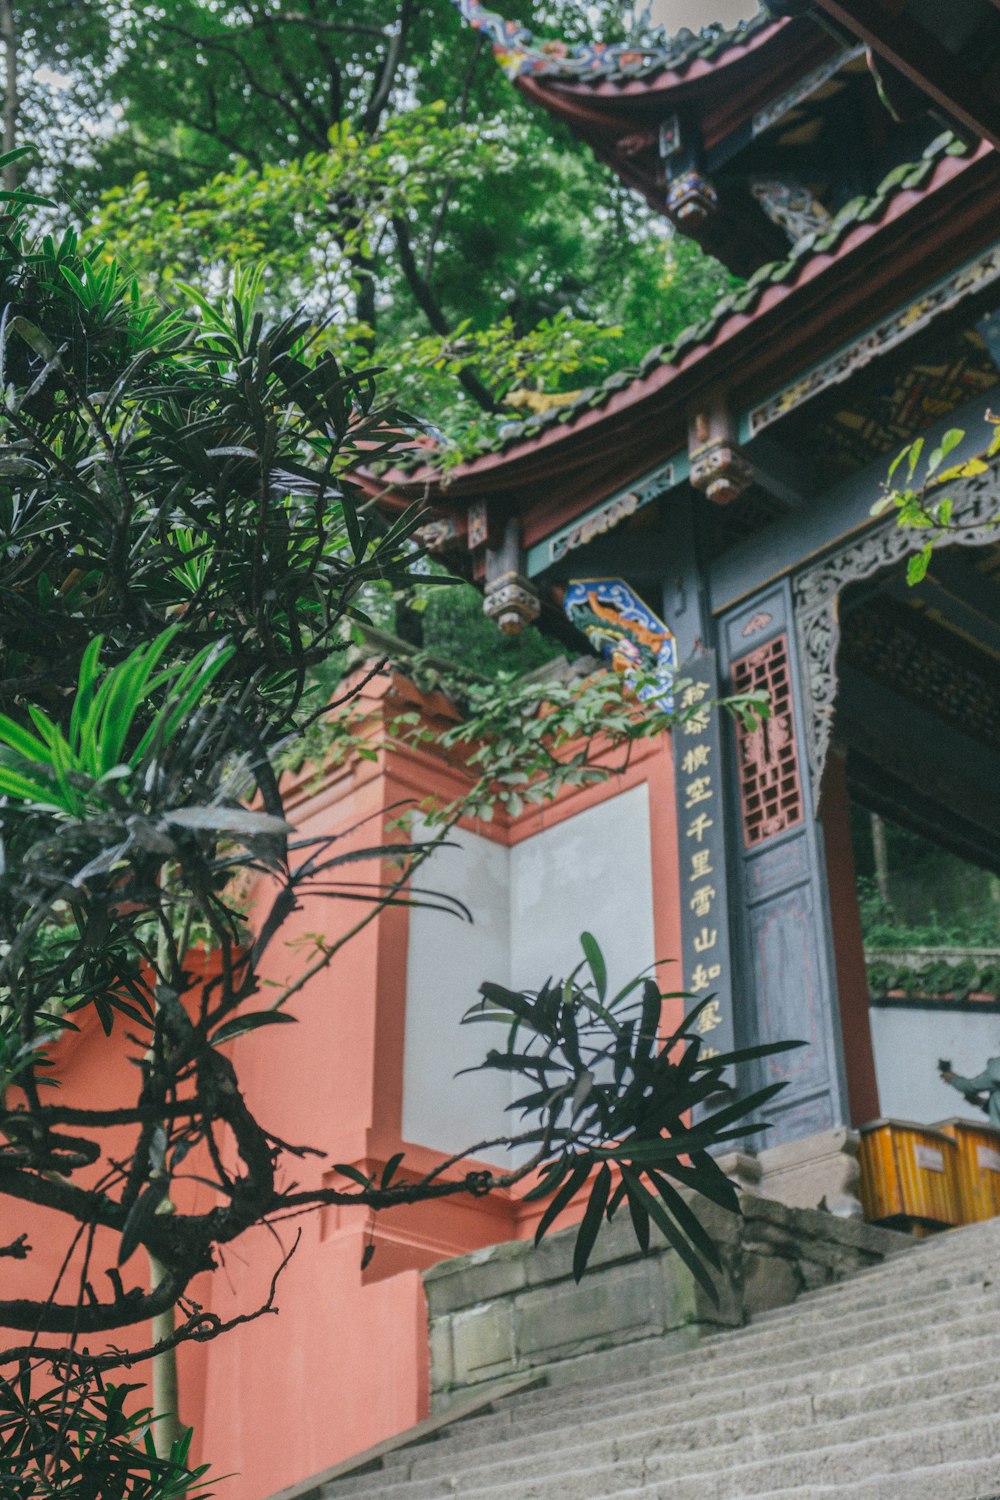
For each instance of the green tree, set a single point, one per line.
(181, 543)
(57, 58)
(395, 182)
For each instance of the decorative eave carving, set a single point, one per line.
(442, 534)
(691, 200)
(720, 471)
(512, 603)
(817, 590)
(718, 467)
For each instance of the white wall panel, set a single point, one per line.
(529, 905)
(447, 960)
(908, 1043)
(591, 873)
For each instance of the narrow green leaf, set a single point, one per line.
(551, 1177)
(591, 1221)
(570, 1187)
(672, 1234)
(389, 1170)
(595, 959)
(253, 1022)
(353, 1174)
(640, 1218)
(689, 1222)
(23, 741)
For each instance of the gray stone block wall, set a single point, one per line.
(511, 1308)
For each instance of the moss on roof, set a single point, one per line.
(746, 299)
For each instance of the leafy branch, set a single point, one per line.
(915, 504)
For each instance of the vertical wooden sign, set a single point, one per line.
(701, 834)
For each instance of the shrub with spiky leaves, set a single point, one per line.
(181, 542)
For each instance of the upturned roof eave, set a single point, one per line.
(680, 80)
(736, 339)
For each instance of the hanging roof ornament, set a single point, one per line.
(625, 631)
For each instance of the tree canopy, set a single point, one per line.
(394, 184)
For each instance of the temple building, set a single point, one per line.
(710, 511)
(724, 490)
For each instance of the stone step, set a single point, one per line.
(808, 1400)
(980, 1294)
(954, 1286)
(871, 1285)
(673, 1476)
(685, 1386)
(877, 1388)
(759, 1432)
(789, 1401)
(882, 1335)
(815, 1305)
(955, 1249)
(975, 1479)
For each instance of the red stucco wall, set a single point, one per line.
(345, 1362)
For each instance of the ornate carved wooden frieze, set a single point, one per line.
(770, 784)
(442, 533)
(611, 513)
(929, 667)
(893, 330)
(478, 523)
(511, 602)
(975, 522)
(790, 205)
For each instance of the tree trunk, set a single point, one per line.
(165, 1398)
(11, 102)
(880, 852)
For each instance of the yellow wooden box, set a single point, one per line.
(977, 1167)
(909, 1176)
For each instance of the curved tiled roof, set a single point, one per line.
(746, 300)
(521, 54)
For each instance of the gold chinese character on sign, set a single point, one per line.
(701, 865)
(707, 1052)
(698, 790)
(701, 979)
(693, 694)
(701, 901)
(706, 938)
(695, 759)
(709, 1018)
(699, 826)
(697, 724)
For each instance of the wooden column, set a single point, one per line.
(848, 945)
(785, 977)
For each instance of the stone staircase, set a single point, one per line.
(882, 1387)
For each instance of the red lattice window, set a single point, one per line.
(770, 785)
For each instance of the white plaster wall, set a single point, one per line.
(529, 905)
(447, 960)
(908, 1043)
(591, 873)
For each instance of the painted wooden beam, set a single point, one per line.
(922, 58)
(638, 557)
(788, 476)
